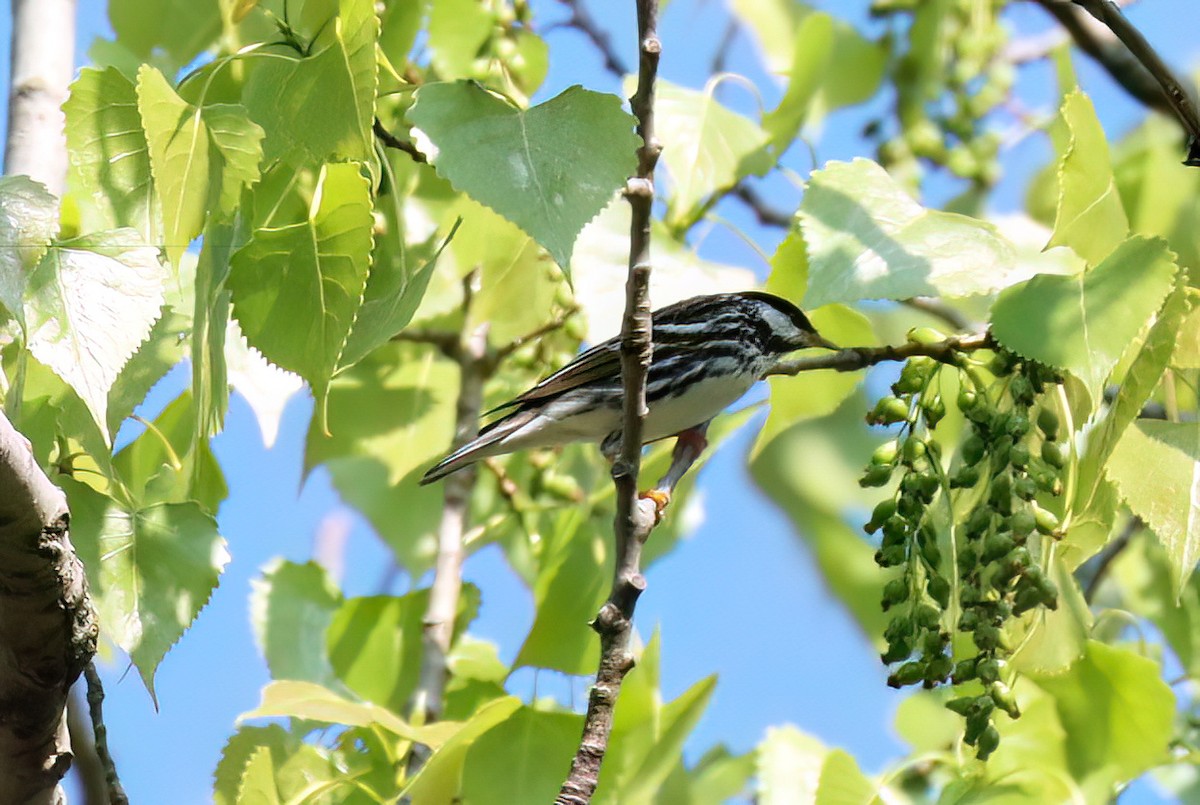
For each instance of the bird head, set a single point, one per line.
(790, 328)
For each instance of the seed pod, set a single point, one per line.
(968, 621)
(996, 546)
(927, 616)
(1052, 454)
(890, 557)
(967, 399)
(964, 704)
(910, 506)
(973, 449)
(895, 526)
(979, 521)
(913, 375)
(987, 637)
(932, 555)
(883, 510)
(1018, 456)
(964, 671)
(1049, 593)
(1025, 488)
(987, 742)
(1022, 522)
(938, 670)
(1047, 423)
(885, 454)
(1021, 390)
(1004, 699)
(934, 408)
(1027, 598)
(1000, 493)
(913, 449)
(894, 592)
(939, 590)
(908, 674)
(925, 336)
(965, 478)
(977, 722)
(875, 475)
(888, 411)
(988, 670)
(1046, 522)
(1048, 482)
(1003, 363)
(897, 650)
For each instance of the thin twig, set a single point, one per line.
(95, 698)
(763, 211)
(852, 359)
(633, 521)
(1179, 99)
(1124, 53)
(941, 310)
(392, 141)
(445, 341)
(444, 592)
(1110, 554)
(582, 20)
(557, 323)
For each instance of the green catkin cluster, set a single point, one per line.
(1011, 455)
(951, 77)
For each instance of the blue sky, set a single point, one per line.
(740, 598)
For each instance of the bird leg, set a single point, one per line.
(689, 445)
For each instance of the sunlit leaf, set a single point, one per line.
(291, 606)
(89, 303)
(28, 222)
(549, 169)
(1085, 323)
(1090, 218)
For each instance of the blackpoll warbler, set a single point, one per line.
(708, 351)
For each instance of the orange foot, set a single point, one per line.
(660, 498)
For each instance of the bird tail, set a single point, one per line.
(489, 442)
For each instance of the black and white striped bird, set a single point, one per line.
(708, 352)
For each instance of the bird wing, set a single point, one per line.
(599, 362)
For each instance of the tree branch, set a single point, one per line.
(95, 698)
(764, 212)
(854, 358)
(582, 20)
(47, 625)
(392, 141)
(1108, 37)
(635, 518)
(43, 33)
(444, 593)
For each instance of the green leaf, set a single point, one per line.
(158, 566)
(396, 406)
(28, 222)
(457, 31)
(792, 769)
(712, 148)
(549, 169)
(374, 643)
(1148, 578)
(393, 291)
(816, 394)
(320, 107)
(183, 28)
(201, 157)
(109, 174)
(569, 589)
(647, 736)
(313, 702)
(89, 303)
(291, 606)
(240, 749)
(1090, 217)
(1085, 323)
(831, 66)
(524, 758)
(1156, 468)
(789, 267)
(162, 349)
(296, 288)
(868, 239)
(1118, 715)
(1051, 640)
(440, 779)
(167, 464)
